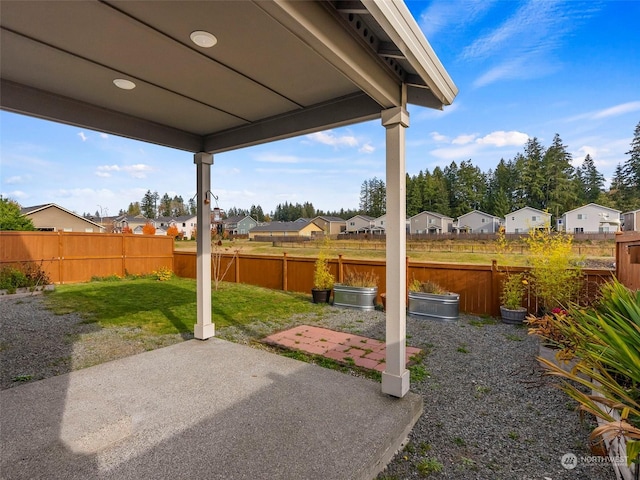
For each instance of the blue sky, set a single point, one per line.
(524, 69)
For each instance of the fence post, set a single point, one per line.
(495, 288)
(124, 264)
(237, 269)
(340, 273)
(60, 253)
(284, 272)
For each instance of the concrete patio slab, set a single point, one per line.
(202, 409)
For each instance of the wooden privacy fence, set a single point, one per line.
(478, 285)
(69, 257)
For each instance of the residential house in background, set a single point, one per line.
(130, 221)
(477, 222)
(186, 225)
(525, 219)
(378, 227)
(285, 229)
(53, 218)
(359, 224)
(239, 224)
(590, 218)
(331, 225)
(631, 221)
(430, 222)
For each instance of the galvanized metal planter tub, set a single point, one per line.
(513, 316)
(432, 305)
(362, 298)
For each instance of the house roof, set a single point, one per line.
(304, 67)
(593, 205)
(530, 209)
(480, 212)
(439, 215)
(330, 219)
(281, 227)
(364, 217)
(38, 208)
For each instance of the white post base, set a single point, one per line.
(394, 385)
(202, 332)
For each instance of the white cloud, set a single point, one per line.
(501, 138)
(463, 139)
(468, 145)
(15, 195)
(329, 138)
(447, 15)
(16, 179)
(438, 137)
(276, 158)
(367, 148)
(82, 136)
(136, 171)
(104, 135)
(614, 111)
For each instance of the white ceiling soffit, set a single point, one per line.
(279, 68)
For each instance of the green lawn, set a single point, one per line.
(168, 307)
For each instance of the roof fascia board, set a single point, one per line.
(337, 113)
(38, 103)
(398, 23)
(317, 27)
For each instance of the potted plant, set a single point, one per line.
(322, 280)
(513, 291)
(429, 299)
(358, 290)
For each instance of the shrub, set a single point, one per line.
(426, 286)
(360, 279)
(555, 282)
(25, 275)
(148, 229)
(322, 277)
(162, 274)
(514, 288)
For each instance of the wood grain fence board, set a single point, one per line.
(70, 257)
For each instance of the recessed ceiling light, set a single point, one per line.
(124, 84)
(203, 39)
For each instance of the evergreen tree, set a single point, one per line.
(631, 172)
(373, 197)
(165, 206)
(532, 175)
(436, 198)
(134, 209)
(559, 194)
(592, 181)
(147, 205)
(193, 210)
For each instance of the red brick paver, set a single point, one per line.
(345, 348)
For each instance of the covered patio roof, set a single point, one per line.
(278, 69)
(213, 76)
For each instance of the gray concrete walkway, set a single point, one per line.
(202, 410)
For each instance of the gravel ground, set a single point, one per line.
(488, 412)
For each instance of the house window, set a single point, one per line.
(67, 230)
(513, 219)
(518, 230)
(578, 230)
(382, 222)
(353, 224)
(484, 220)
(184, 224)
(430, 221)
(534, 218)
(582, 216)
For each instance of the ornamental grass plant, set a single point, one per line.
(606, 340)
